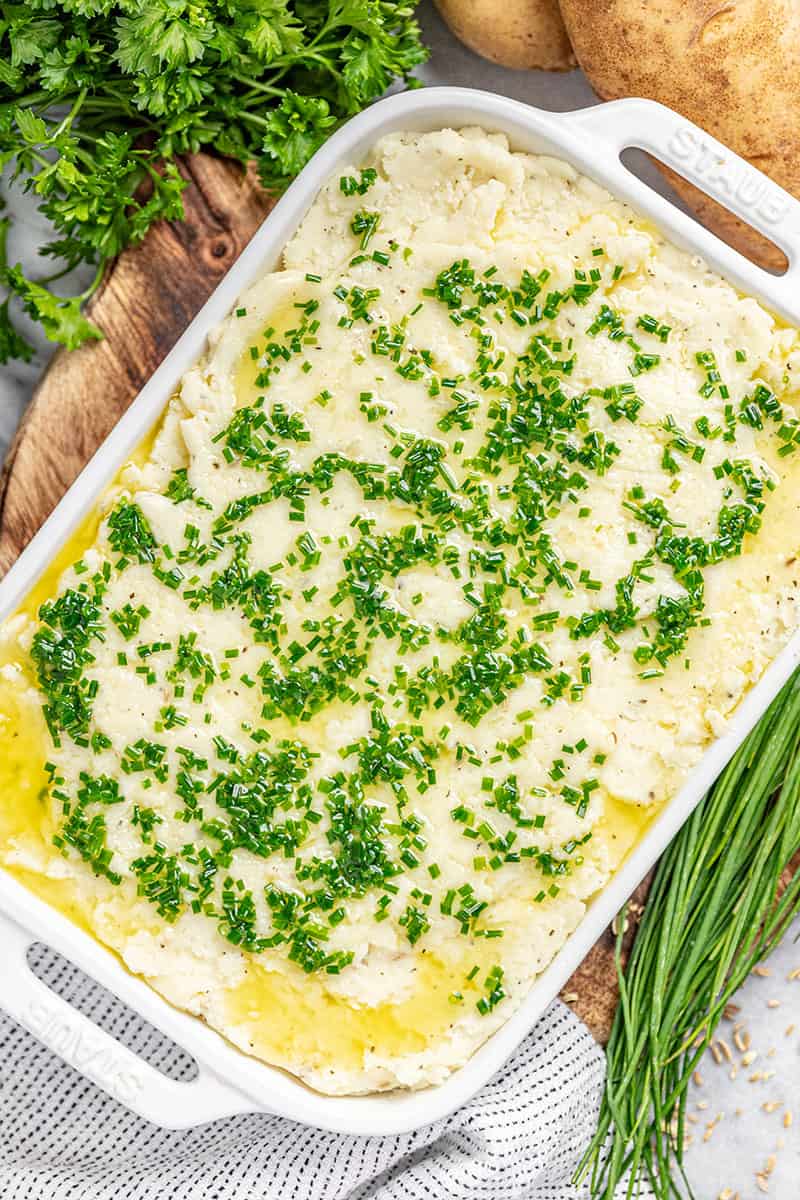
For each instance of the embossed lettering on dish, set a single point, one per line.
(703, 163)
(88, 1052)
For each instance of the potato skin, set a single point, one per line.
(732, 66)
(524, 34)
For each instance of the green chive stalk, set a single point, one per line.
(715, 910)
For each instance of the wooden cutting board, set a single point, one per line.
(147, 298)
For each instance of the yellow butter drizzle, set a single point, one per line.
(296, 1019)
(26, 821)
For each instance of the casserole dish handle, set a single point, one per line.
(81, 1043)
(713, 168)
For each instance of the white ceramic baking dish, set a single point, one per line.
(228, 1081)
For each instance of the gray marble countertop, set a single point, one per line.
(741, 1111)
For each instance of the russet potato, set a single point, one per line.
(513, 33)
(732, 67)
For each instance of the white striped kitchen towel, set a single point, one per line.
(63, 1139)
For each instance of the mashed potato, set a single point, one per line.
(446, 564)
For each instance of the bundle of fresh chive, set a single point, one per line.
(715, 910)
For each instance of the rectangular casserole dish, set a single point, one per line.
(229, 1082)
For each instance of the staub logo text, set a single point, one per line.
(702, 163)
(88, 1053)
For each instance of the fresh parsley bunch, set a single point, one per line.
(98, 96)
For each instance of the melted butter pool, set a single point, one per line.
(298, 1019)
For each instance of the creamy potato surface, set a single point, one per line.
(444, 568)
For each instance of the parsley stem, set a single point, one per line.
(65, 270)
(68, 120)
(29, 101)
(93, 286)
(255, 85)
(254, 119)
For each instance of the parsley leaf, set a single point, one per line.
(295, 129)
(60, 318)
(12, 343)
